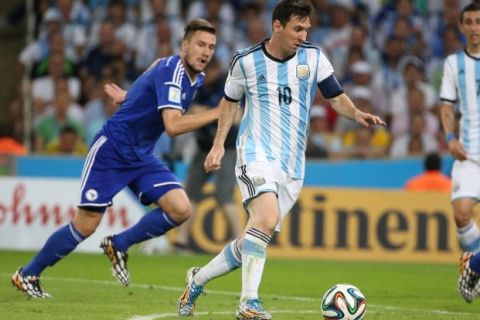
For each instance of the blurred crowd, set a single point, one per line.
(388, 56)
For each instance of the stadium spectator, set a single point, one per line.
(68, 143)
(271, 144)
(412, 77)
(432, 179)
(61, 112)
(208, 97)
(322, 142)
(122, 156)
(459, 75)
(415, 140)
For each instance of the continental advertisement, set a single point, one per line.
(349, 224)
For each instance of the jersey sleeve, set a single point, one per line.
(324, 67)
(168, 86)
(235, 83)
(448, 92)
(326, 80)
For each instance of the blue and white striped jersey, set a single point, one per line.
(136, 126)
(278, 96)
(461, 83)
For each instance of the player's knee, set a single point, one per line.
(181, 212)
(462, 218)
(86, 222)
(267, 223)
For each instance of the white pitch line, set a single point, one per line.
(230, 293)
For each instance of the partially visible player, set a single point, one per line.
(121, 155)
(278, 78)
(460, 83)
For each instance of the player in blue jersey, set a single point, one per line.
(460, 84)
(122, 155)
(278, 78)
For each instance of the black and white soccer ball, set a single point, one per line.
(344, 302)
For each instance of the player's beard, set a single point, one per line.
(191, 68)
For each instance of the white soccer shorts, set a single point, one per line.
(258, 177)
(465, 179)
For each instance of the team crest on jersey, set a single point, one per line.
(91, 195)
(258, 181)
(303, 71)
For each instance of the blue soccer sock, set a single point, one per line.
(153, 224)
(61, 243)
(475, 263)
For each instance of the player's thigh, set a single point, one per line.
(465, 178)
(225, 180)
(196, 176)
(103, 176)
(288, 194)
(153, 181)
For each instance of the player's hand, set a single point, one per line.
(214, 158)
(367, 119)
(115, 93)
(457, 150)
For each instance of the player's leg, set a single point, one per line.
(67, 238)
(467, 229)
(464, 198)
(227, 260)
(155, 183)
(58, 245)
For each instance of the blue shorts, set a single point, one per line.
(105, 174)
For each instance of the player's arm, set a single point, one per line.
(234, 91)
(177, 123)
(447, 117)
(332, 90)
(448, 96)
(344, 106)
(228, 110)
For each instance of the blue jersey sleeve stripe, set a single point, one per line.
(330, 87)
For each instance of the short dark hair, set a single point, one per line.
(474, 6)
(285, 9)
(432, 162)
(198, 25)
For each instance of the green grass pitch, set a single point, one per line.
(291, 289)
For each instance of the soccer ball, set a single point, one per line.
(344, 302)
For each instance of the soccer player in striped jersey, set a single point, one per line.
(122, 156)
(278, 78)
(461, 83)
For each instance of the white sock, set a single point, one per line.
(227, 260)
(254, 254)
(469, 237)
